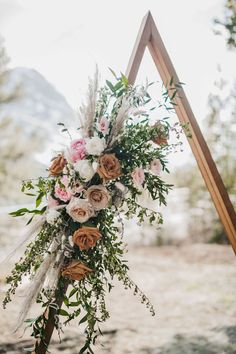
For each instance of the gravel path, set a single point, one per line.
(192, 289)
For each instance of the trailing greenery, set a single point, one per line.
(118, 157)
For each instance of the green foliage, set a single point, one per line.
(229, 23)
(133, 145)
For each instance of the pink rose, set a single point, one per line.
(103, 126)
(155, 166)
(52, 203)
(138, 176)
(80, 210)
(62, 192)
(77, 150)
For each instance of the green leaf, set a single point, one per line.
(73, 291)
(66, 301)
(118, 86)
(124, 80)
(30, 320)
(111, 87)
(39, 199)
(63, 312)
(29, 221)
(174, 94)
(113, 73)
(19, 212)
(74, 303)
(83, 319)
(82, 350)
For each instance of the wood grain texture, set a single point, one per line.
(150, 37)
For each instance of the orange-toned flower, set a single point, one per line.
(57, 165)
(76, 270)
(86, 237)
(109, 167)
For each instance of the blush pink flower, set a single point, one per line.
(103, 126)
(155, 167)
(62, 192)
(52, 203)
(77, 150)
(65, 181)
(138, 176)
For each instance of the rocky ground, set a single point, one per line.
(193, 290)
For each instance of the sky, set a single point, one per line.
(65, 39)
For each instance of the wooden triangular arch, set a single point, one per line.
(149, 36)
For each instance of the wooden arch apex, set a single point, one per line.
(149, 36)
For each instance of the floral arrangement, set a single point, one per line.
(91, 187)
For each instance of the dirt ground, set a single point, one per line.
(193, 290)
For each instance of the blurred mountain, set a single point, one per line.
(37, 105)
(30, 108)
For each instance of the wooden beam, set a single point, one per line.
(143, 37)
(41, 345)
(150, 37)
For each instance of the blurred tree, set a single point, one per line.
(220, 131)
(219, 128)
(229, 22)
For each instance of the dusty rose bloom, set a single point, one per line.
(138, 176)
(80, 210)
(155, 166)
(98, 196)
(103, 126)
(52, 203)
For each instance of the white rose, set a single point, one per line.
(85, 169)
(95, 166)
(71, 243)
(95, 145)
(52, 215)
(80, 210)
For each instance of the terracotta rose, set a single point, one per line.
(86, 237)
(57, 165)
(75, 270)
(98, 196)
(109, 167)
